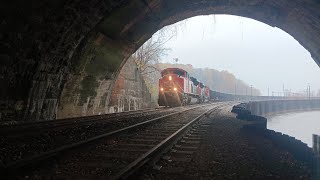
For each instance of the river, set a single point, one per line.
(300, 125)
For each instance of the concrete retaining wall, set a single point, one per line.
(218, 96)
(263, 108)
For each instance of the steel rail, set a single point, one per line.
(44, 125)
(146, 157)
(11, 167)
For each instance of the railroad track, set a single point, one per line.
(42, 126)
(180, 141)
(25, 142)
(119, 153)
(35, 127)
(174, 162)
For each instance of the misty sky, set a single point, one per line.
(254, 52)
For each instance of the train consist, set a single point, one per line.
(177, 87)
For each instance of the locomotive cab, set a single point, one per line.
(177, 87)
(171, 87)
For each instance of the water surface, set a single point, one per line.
(300, 125)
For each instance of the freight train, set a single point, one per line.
(177, 87)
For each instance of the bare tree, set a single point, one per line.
(151, 52)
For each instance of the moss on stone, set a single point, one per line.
(88, 88)
(106, 61)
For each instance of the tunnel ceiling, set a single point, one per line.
(43, 43)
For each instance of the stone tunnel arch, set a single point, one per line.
(45, 44)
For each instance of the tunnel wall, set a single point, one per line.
(129, 93)
(40, 44)
(41, 41)
(264, 108)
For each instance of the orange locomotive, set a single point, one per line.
(177, 87)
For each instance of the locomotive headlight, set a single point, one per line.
(170, 78)
(175, 89)
(161, 89)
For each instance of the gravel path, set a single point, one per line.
(227, 152)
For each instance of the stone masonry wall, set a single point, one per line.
(129, 93)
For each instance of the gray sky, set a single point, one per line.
(253, 51)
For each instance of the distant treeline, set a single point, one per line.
(220, 81)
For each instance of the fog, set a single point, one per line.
(260, 55)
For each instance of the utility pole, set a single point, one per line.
(268, 91)
(235, 90)
(251, 92)
(316, 150)
(290, 92)
(246, 91)
(309, 92)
